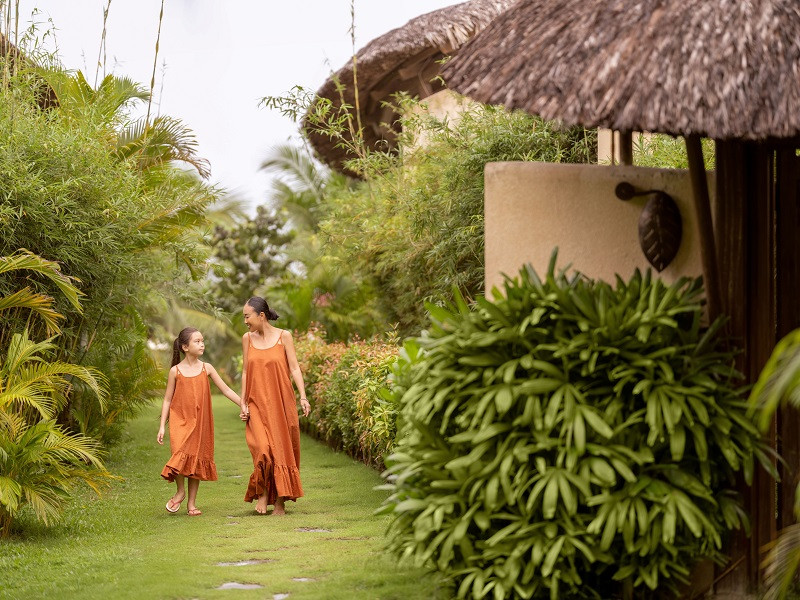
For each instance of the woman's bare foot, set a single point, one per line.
(280, 507)
(261, 505)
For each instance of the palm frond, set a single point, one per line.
(26, 260)
(779, 381)
(162, 141)
(39, 304)
(781, 563)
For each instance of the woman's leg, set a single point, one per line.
(261, 505)
(194, 484)
(280, 506)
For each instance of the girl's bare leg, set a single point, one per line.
(180, 493)
(194, 484)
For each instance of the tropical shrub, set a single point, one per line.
(570, 438)
(40, 461)
(412, 228)
(415, 226)
(84, 185)
(344, 383)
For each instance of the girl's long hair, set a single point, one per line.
(183, 339)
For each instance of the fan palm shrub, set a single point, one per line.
(570, 438)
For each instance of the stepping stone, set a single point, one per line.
(302, 579)
(314, 529)
(232, 523)
(234, 585)
(235, 476)
(280, 596)
(243, 563)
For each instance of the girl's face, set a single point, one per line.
(196, 345)
(251, 319)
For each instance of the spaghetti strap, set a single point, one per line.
(249, 340)
(280, 338)
(178, 370)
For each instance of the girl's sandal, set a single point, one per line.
(194, 512)
(176, 505)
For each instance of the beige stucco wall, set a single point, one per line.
(443, 105)
(532, 208)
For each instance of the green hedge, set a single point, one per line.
(571, 438)
(344, 384)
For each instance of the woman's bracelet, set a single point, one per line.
(301, 399)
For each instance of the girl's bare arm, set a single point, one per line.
(167, 401)
(223, 387)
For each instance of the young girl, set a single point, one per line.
(187, 401)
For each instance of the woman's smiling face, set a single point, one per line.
(251, 319)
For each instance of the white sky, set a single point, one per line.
(221, 58)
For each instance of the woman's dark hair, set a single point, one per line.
(183, 339)
(258, 304)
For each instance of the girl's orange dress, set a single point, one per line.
(273, 430)
(191, 429)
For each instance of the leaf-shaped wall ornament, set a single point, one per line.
(660, 230)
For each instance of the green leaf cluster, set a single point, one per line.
(40, 461)
(569, 438)
(86, 187)
(346, 385)
(414, 226)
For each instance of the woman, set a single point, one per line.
(273, 429)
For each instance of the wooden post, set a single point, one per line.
(702, 205)
(625, 148)
(787, 272)
(758, 244)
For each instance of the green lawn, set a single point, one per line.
(125, 545)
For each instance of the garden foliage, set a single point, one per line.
(411, 228)
(40, 461)
(570, 438)
(346, 384)
(84, 184)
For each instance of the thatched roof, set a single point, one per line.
(404, 59)
(719, 68)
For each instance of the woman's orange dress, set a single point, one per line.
(191, 429)
(273, 430)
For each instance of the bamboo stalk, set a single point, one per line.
(155, 64)
(702, 206)
(102, 50)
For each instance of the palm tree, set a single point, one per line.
(298, 189)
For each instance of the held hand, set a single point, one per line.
(160, 436)
(244, 413)
(305, 406)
